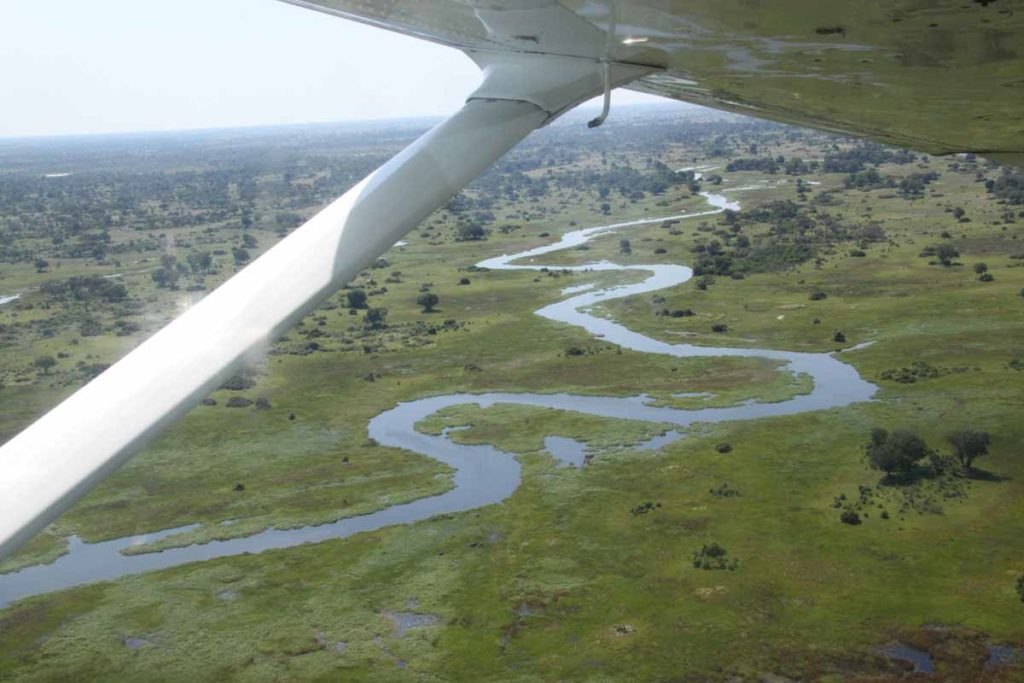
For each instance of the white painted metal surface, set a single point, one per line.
(72, 448)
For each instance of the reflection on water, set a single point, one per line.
(483, 474)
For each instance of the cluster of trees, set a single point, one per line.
(793, 166)
(854, 159)
(900, 452)
(470, 231)
(188, 180)
(796, 234)
(197, 265)
(84, 289)
(910, 187)
(1008, 187)
(628, 181)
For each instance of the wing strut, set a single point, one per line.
(45, 468)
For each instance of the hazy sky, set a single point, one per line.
(86, 66)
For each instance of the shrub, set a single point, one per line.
(849, 517)
(238, 402)
(719, 327)
(986, 277)
(818, 296)
(724, 491)
(980, 268)
(262, 403)
(644, 508)
(724, 447)
(239, 382)
(90, 327)
(711, 557)
(839, 337)
(464, 281)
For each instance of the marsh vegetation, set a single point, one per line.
(563, 577)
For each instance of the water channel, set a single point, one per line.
(485, 475)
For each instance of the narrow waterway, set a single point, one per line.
(483, 474)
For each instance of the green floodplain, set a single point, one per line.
(758, 550)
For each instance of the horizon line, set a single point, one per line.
(39, 137)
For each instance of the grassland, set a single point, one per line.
(566, 580)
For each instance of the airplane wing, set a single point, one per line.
(939, 77)
(936, 76)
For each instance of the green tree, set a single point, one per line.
(969, 445)
(200, 262)
(44, 363)
(946, 254)
(165, 277)
(895, 452)
(470, 232)
(356, 298)
(241, 255)
(375, 317)
(427, 300)
(625, 247)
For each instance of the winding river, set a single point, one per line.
(483, 474)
